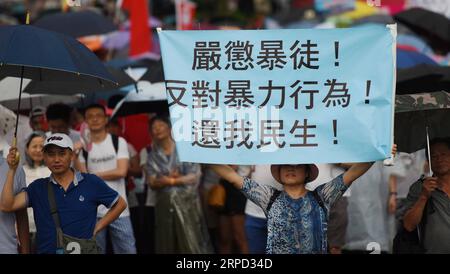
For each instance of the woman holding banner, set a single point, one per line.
(180, 225)
(297, 217)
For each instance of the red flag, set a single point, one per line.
(140, 34)
(136, 131)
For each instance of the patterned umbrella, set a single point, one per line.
(7, 120)
(414, 113)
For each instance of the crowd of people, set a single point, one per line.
(116, 185)
(85, 180)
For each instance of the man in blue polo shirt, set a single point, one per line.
(77, 196)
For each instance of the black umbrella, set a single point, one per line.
(423, 78)
(154, 73)
(145, 70)
(75, 87)
(120, 76)
(77, 24)
(150, 98)
(45, 56)
(153, 68)
(431, 25)
(414, 113)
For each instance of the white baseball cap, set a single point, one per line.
(37, 111)
(59, 139)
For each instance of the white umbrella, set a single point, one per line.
(31, 100)
(9, 87)
(9, 97)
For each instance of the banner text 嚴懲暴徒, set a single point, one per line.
(281, 96)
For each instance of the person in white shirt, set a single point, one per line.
(135, 193)
(34, 169)
(107, 157)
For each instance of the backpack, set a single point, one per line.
(115, 141)
(277, 193)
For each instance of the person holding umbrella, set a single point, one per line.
(8, 220)
(429, 199)
(52, 61)
(75, 198)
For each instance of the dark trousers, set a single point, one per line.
(256, 231)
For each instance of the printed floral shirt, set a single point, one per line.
(296, 226)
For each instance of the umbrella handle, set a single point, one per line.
(430, 172)
(14, 144)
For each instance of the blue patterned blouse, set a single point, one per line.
(296, 226)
